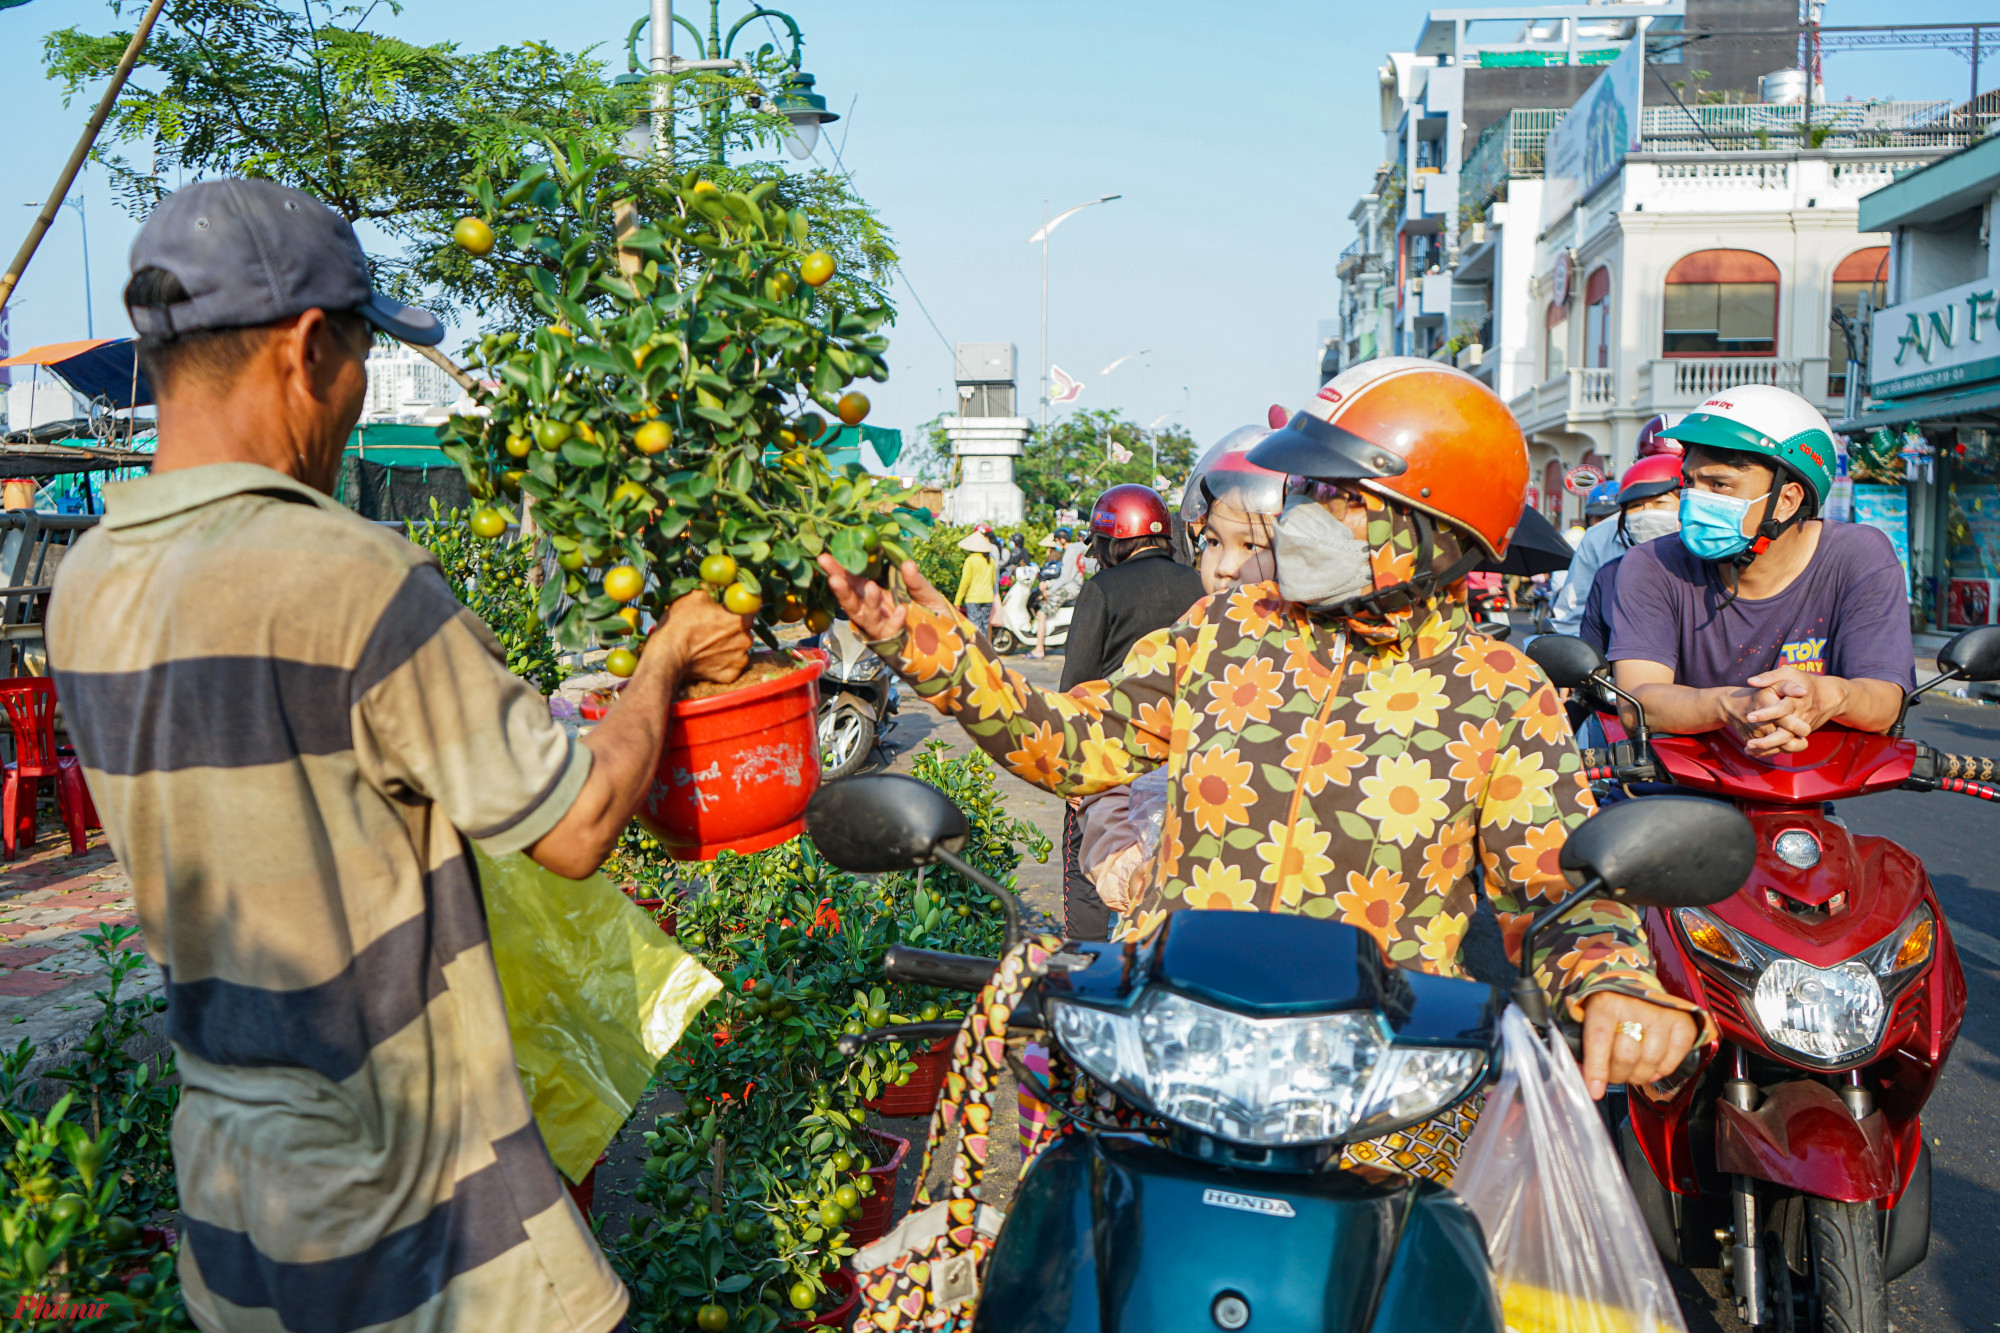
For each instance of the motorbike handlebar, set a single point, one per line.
(1600, 765)
(930, 967)
(1966, 774)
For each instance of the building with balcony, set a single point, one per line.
(1923, 429)
(1719, 252)
(1468, 70)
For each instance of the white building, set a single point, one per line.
(405, 387)
(1705, 259)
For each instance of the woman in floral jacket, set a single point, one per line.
(1347, 766)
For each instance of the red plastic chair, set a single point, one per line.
(31, 707)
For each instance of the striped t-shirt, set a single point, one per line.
(290, 729)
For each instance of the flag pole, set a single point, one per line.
(46, 218)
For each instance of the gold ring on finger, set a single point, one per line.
(1636, 1031)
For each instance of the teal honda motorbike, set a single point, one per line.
(1264, 1043)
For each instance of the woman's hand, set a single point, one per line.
(1614, 1056)
(873, 610)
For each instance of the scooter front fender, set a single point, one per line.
(1804, 1138)
(1109, 1234)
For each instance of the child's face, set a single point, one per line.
(1236, 547)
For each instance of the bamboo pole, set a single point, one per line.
(46, 218)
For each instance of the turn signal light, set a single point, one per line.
(1706, 936)
(1916, 945)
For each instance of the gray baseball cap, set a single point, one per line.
(253, 252)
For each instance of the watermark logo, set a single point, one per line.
(60, 1307)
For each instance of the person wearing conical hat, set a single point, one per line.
(975, 582)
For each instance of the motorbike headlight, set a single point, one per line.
(1827, 1013)
(1265, 1081)
(856, 669)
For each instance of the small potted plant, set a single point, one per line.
(663, 427)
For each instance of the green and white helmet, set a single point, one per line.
(1764, 419)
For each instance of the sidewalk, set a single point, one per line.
(50, 903)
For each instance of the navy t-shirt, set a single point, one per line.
(1847, 614)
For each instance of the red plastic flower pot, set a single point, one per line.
(840, 1283)
(878, 1210)
(918, 1096)
(737, 769)
(657, 909)
(584, 1192)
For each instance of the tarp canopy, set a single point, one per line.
(103, 370)
(394, 472)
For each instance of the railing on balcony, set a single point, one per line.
(1698, 377)
(1591, 389)
(1511, 146)
(1765, 125)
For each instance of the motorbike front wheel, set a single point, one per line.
(1844, 1270)
(1003, 641)
(845, 738)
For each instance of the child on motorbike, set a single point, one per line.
(1338, 742)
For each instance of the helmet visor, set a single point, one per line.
(1309, 447)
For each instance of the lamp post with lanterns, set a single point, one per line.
(794, 98)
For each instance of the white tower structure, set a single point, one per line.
(986, 436)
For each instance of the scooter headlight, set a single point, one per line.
(864, 668)
(1265, 1081)
(1828, 1013)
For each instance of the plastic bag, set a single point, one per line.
(1570, 1251)
(596, 995)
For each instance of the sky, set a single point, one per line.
(1239, 135)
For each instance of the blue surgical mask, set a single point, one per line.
(1712, 525)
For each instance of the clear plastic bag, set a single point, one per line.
(1148, 809)
(1570, 1252)
(596, 996)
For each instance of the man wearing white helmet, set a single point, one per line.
(1758, 616)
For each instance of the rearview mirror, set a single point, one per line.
(1566, 660)
(1974, 654)
(1663, 851)
(883, 822)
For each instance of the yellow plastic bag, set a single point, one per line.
(596, 995)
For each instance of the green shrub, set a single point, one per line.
(743, 1184)
(92, 1170)
(492, 578)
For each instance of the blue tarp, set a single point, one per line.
(109, 373)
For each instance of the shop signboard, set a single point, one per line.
(1940, 341)
(1887, 509)
(1591, 140)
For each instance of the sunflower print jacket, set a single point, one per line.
(1314, 771)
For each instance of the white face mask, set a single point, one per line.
(1320, 563)
(1645, 525)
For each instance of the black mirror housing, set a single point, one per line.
(1566, 660)
(1973, 654)
(883, 822)
(1663, 851)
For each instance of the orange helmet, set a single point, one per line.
(1420, 433)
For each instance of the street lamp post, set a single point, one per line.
(795, 99)
(89, 317)
(1049, 224)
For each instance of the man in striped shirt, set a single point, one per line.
(291, 730)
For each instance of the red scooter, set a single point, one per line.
(1793, 1157)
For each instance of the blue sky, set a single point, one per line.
(1239, 135)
